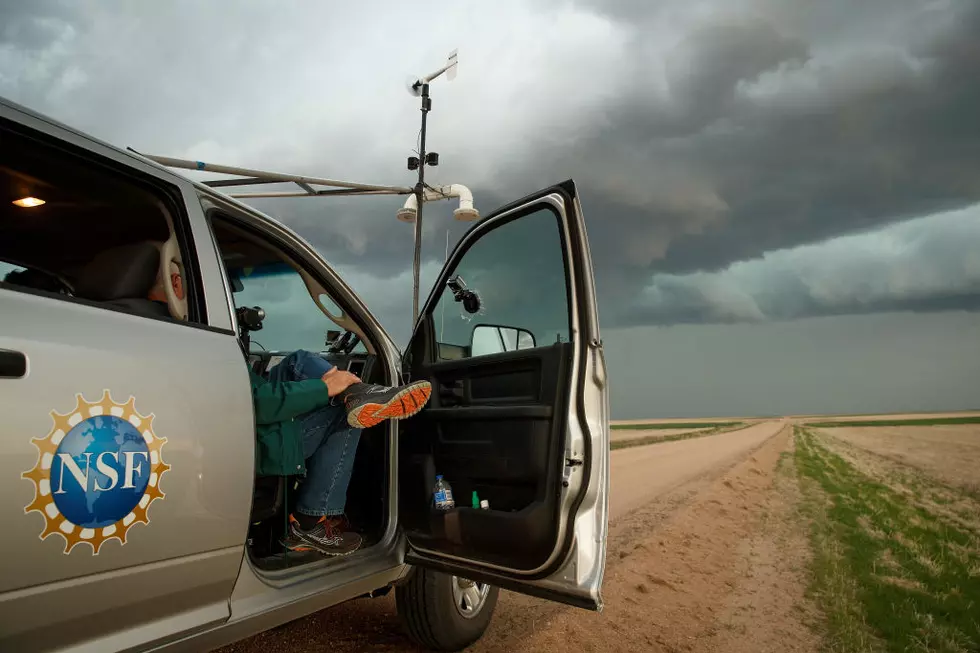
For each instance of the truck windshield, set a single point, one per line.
(292, 319)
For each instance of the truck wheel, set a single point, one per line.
(442, 612)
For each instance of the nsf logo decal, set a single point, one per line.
(97, 472)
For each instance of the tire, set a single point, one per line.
(428, 610)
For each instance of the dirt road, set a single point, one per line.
(652, 486)
(640, 474)
(716, 564)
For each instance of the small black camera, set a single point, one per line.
(470, 300)
(250, 317)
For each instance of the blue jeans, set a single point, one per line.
(329, 443)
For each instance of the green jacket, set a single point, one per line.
(279, 440)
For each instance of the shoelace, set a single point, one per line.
(323, 532)
(370, 390)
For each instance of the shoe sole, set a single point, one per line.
(406, 403)
(306, 547)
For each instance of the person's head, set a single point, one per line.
(158, 293)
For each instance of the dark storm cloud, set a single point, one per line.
(800, 152)
(704, 69)
(927, 264)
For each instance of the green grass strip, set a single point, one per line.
(888, 573)
(670, 425)
(657, 439)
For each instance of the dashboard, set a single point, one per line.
(360, 364)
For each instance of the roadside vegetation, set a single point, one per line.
(935, 421)
(896, 554)
(662, 426)
(719, 427)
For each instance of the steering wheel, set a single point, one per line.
(172, 271)
(39, 279)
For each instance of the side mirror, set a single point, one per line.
(236, 284)
(496, 339)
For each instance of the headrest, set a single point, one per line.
(120, 272)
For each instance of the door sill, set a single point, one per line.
(297, 568)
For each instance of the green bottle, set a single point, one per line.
(476, 500)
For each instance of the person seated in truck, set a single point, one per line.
(157, 293)
(309, 417)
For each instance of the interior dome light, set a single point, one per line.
(28, 202)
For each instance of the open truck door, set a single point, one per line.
(509, 338)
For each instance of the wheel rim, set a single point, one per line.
(469, 596)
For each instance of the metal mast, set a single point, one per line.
(421, 87)
(420, 198)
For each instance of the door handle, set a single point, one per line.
(13, 364)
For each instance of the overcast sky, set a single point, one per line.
(783, 196)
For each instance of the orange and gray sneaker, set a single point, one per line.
(326, 537)
(368, 405)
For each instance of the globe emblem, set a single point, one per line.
(100, 471)
(97, 471)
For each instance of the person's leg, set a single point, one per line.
(300, 365)
(367, 404)
(331, 436)
(328, 442)
(329, 463)
(329, 445)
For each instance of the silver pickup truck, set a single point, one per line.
(133, 518)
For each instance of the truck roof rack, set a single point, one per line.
(253, 177)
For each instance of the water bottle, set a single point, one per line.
(442, 494)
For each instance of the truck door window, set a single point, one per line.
(77, 228)
(507, 292)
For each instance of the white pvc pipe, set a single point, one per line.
(465, 212)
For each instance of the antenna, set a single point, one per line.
(420, 88)
(442, 319)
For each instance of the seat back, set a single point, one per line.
(124, 272)
(267, 497)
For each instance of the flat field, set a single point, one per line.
(948, 453)
(898, 419)
(896, 546)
